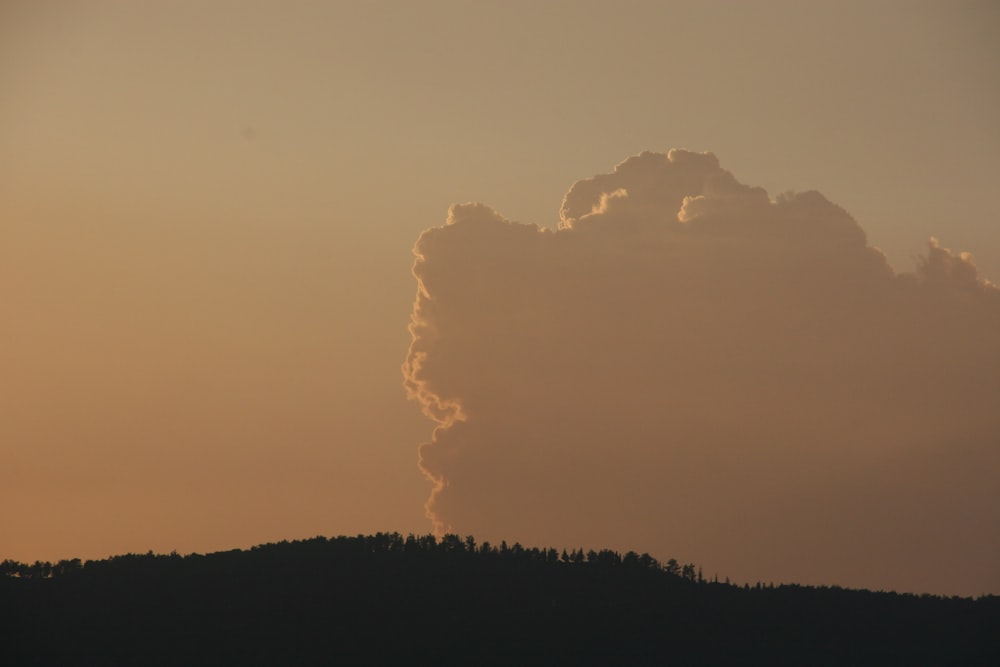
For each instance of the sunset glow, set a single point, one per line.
(774, 350)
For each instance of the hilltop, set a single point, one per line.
(386, 599)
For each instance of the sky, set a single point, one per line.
(208, 213)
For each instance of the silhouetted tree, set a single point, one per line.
(333, 601)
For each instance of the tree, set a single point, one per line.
(452, 543)
(10, 568)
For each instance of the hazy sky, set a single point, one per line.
(208, 211)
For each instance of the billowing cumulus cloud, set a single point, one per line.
(689, 367)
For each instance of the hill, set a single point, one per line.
(386, 599)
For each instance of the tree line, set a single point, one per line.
(390, 599)
(386, 543)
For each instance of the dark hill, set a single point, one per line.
(385, 599)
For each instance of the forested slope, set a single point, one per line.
(385, 599)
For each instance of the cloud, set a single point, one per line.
(688, 367)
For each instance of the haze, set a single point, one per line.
(207, 220)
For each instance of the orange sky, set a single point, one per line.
(208, 210)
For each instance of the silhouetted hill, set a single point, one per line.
(385, 599)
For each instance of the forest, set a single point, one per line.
(389, 599)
